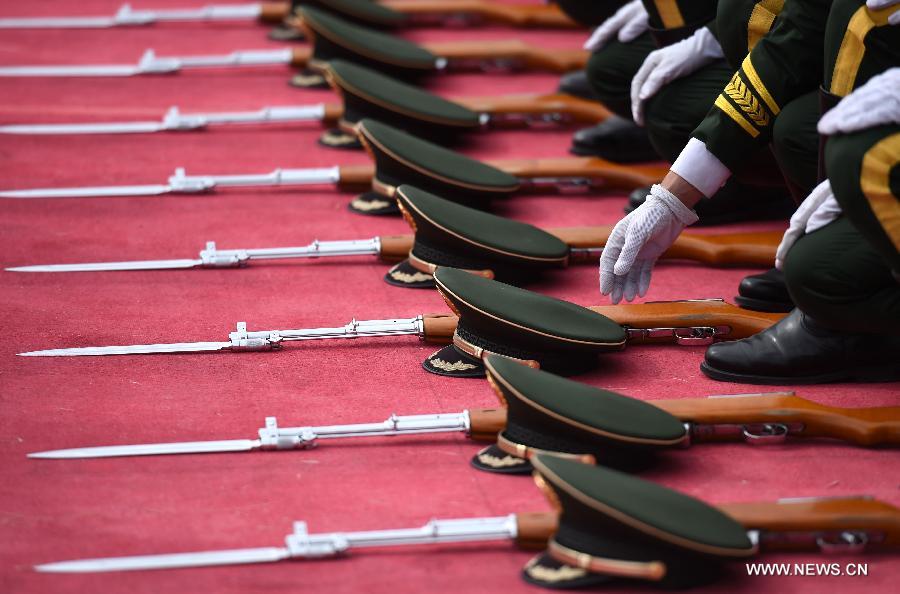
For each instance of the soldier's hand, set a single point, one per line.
(873, 104)
(638, 240)
(629, 22)
(665, 65)
(816, 211)
(894, 18)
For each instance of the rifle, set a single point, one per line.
(389, 13)
(725, 249)
(684, 322)
(812, 524)
(399, 159)
(379, 50)
(753, 418)
(367, 93)
(126, 16)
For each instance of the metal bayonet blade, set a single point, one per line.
(97, 128)
(66, 70)
(88, 192)
(105, 266)
(98, 22)
(134, 349)
(152, 449)
(198, 559)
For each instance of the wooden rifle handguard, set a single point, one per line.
(486, 423)
(727, 249)
(578, 109)
(535, 529)
(274, 12)
(863, 426)
(818, 515)
(675, 314)
(553, 60)
(613, 175)
(439, 327)
(519, 15)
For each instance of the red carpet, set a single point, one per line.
(56, 510)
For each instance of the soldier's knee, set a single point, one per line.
(795, 141)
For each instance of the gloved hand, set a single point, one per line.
(627, 24)
(875, 103)
(894, 19)
(666, 64)
(638, 240)
(819, 209)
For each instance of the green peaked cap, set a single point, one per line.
(613, 516)
(401, 158)
(504, 319)
(451, 234)
(336, 38)
(368, 93)
(361, 12)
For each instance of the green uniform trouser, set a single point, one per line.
(841, 275)
(610, 70)
(795, 142)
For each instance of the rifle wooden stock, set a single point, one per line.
(517, 15)
(578, 109)
(814, 515)
(486, 423)
(439, 327)
(668, 314)
(534, 529)
(726, 249)
(300, 56)
(513, 50)
(612, 174)
(356, 176)
(395, 247)
(274, 12)
(864, 426)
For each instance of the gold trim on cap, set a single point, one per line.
(479, 353)
(527, 452)
(646, 570)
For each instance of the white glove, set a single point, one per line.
(875, 103)
(666, 64)
(627, 24)
(894, 19)
(638, 240)
(819, 209)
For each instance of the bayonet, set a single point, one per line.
(174, 120)
(425, 327)
(212, 257)
(150, 63)
(479, 424)
(694, 323)
(303, 545)
(126, 16)
(181, 183)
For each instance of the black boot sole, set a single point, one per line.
(864, 375)
(763, 304)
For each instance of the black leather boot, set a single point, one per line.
(614, 139)
(733, 206)
(576, 83)
(797, 350)
(766, 291)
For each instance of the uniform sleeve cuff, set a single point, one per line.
(700, 168)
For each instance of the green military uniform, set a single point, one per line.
(611, 68)
(673, 113)
(843, 277)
